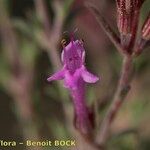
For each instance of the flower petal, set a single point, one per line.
(57, 76)
(71, 80)
(88, 77)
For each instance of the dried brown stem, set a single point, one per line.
(119, 97)
(107, 29)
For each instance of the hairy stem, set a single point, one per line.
(119, 97)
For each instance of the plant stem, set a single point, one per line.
(107, 29)
(51, 34)
(119, 97)
(20, 81)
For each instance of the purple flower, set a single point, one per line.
(75, 75)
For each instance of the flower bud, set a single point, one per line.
(127, 20)
(145, 37)
(146, 29)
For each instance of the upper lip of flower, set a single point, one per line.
(73, 56)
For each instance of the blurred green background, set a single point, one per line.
(30, 50)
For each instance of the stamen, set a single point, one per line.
(63, 42)
(81, 41)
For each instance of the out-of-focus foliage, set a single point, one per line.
(49, 99)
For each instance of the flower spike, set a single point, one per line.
(75, 76)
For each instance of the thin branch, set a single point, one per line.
(140, 46)
(107, 29)
(52, 33)
(20, 82)
(9, 40)
(42, 13)
(119, 97)
(123, 85)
